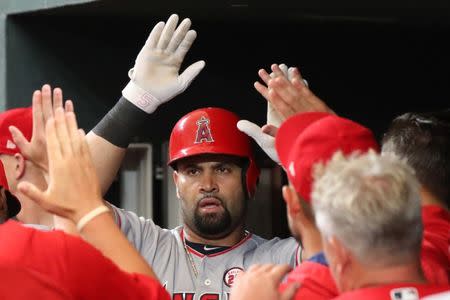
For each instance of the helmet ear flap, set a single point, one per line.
(252, 178)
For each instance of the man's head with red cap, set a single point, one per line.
(303, 141)
(22, 119)
(13, 166)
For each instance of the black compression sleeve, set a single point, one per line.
(121, 123)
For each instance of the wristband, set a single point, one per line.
(91, 215)
(121, 123)
(140, 97)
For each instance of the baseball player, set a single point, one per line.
(303, 141)
(368, 210)
(215, 174)
(214, 171)
(23, 156)
(15, 168)
(70, 268)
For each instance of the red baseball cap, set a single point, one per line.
(309, 138)
(22, 118)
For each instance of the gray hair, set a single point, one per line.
(371, 203)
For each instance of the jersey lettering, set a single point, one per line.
(203, 131)
(183, 296)
(210, 297)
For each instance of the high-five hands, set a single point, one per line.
(289, 94)
(154, 77)
(73, 188)
(44, 105)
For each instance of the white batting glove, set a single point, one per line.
(265, 141)
(273, 117)
(154, 77)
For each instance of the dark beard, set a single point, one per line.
(213, 224)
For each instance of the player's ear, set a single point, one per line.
(19, 165)
(341, 254)
(291, 199)
(175, 177)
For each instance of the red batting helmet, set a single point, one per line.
(212, 130)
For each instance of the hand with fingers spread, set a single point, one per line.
(265, 136)
(44, 105)
(261, 282)
(73, 188)
(289, 94)
(155, 77)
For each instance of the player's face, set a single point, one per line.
(210, 187)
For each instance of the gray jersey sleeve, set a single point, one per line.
(147, 237)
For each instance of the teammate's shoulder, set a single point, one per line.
(260, 241)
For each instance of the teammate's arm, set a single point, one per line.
(73, 192)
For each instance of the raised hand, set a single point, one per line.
(261, 282)
(155, 77)
(273, 117)
(44, 105)
(289, 94)
(73, 188)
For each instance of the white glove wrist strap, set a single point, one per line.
(90, 216)
(140, 97)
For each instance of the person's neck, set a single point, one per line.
(311, 239)
(31, 213)
(377, 276)
(427, 198)
(230, 240)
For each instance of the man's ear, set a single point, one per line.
(19, 166)
(175, 180)
(342, 255)
(292, 200)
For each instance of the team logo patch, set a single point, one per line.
(10, 145)
(203, 131)
(407, 293)
(230, 276)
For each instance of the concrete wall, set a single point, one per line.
(11, 7)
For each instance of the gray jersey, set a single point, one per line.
(190, 275)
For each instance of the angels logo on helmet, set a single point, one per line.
(203, 131)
